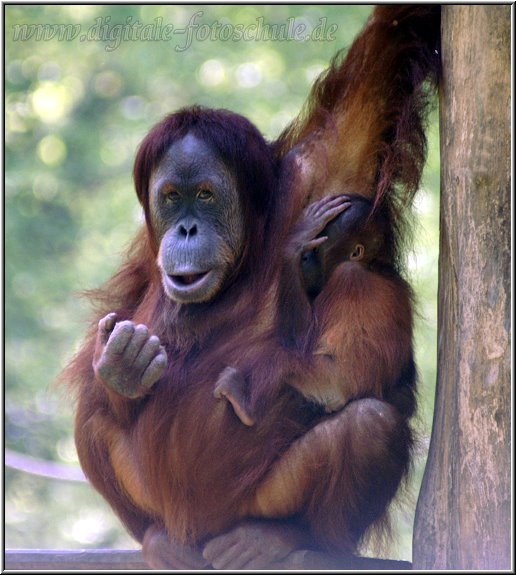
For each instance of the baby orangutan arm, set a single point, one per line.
(294, 310)
(231, 385)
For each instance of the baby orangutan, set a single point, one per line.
(335, 246)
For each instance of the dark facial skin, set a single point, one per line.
(196, 216)
(346, 241)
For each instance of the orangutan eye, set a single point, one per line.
(171, 194)
(205, 194)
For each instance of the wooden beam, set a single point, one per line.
(87, 559)
(463, 515)
(109, 559)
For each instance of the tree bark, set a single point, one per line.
(463, 512)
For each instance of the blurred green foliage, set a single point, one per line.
(75, 110)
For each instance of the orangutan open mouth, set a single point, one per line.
(188, 279)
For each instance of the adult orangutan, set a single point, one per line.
(196, 294)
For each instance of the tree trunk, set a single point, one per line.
(463, 512)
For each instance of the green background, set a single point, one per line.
(75, 111)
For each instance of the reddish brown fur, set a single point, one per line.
(363, 314)
(363, 127)
(353, 340)
(179, 458)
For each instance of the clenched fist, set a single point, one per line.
(127, 358)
